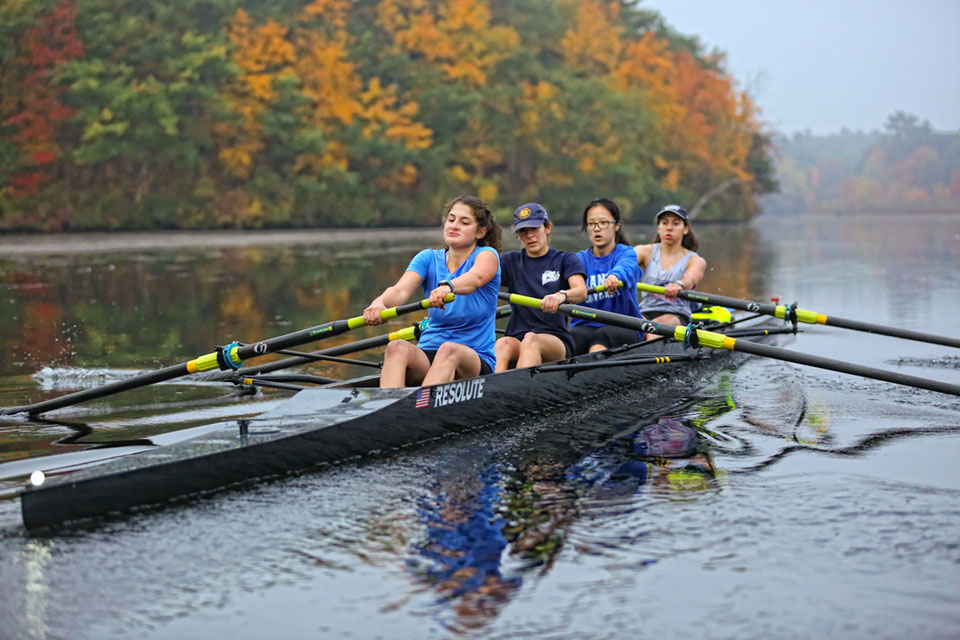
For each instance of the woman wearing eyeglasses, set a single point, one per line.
(610, 262)
(671, 261)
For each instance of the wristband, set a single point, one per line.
(446, 282)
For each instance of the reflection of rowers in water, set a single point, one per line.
(461, 557)
(666, 455)
(524, 514)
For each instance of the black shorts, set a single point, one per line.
(484, 367)
(685, 318)
(585, 336)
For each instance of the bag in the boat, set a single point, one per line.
(667, 438)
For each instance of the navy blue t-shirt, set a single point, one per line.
(538, 277)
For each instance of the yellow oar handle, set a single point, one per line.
(779, 311)
(524, 301)
(389, 314)
(809, 317)
(706, 338)
(600, 288)
(210, 361)
(407, 333)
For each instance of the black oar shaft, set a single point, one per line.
(407, 333)
(896, 332)
(142, 380)
(286, 363)
(805, 316)
(756, 348)
(720, 341)
(210, 361)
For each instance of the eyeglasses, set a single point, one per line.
(601, 224)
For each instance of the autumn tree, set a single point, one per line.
(42, 111)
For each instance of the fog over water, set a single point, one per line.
(823, 65)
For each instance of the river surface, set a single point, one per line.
(834, 510)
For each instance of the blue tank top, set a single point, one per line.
(538, 277)
(469, 320)
(661, 277)
(621, 262)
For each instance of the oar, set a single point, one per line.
(802, 315)
(229, 357)
(409, 334)
(704, 338)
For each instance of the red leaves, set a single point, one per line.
(47, 45)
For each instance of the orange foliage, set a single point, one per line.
(706, 123)
(454, 35)
(339, 97)
(394, 122)
(593, 45)
(262, 54)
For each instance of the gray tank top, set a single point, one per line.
(656, 275)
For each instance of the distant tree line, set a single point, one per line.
(908, 167)
(124, 114)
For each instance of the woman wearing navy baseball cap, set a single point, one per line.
(534, 336)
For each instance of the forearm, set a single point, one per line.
(577, 293)
(480, 274)
(694, 274)
(467, 283)
(391, 297)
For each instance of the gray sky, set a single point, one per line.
(826, 64)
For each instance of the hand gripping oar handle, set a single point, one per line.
(802, 315)
(704, 338)
(409, 334)
(233, 355)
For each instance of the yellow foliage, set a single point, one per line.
(393, 122)
(454, 35)
(592, 44)
(402, 177)
(263, 54)
(332, 13)
(458, 173)
(488, 192)
(671, 180)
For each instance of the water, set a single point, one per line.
(833, 510)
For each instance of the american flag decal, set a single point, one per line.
(423, 398)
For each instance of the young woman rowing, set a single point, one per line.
(533, 336)
(459, 339)
(671, 261)
(610, 262)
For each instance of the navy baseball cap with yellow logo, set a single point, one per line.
(529, 215)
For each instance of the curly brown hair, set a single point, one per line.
(483, 216)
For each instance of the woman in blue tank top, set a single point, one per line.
(671, 261)
(610, 262)
(458, 341)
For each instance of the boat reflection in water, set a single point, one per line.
(486, 533)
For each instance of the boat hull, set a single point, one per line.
(327, 425)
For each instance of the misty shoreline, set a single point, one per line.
(14, 244)
(85, 242)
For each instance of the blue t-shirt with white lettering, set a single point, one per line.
(538, 277)
(621, 262)
(469, 320)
